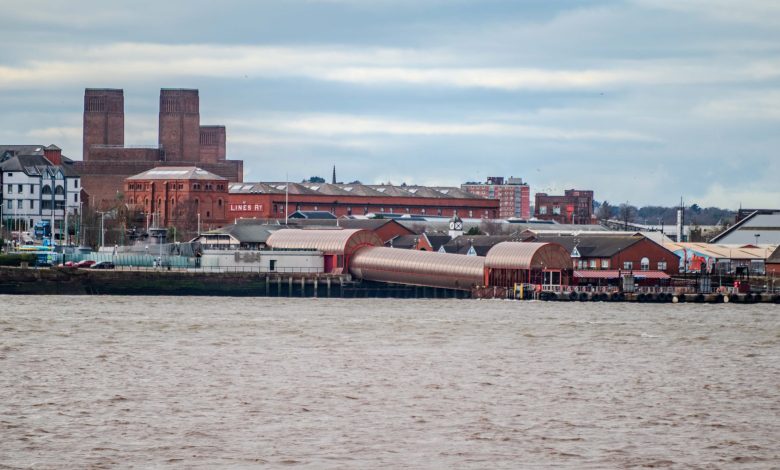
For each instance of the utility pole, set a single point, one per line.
(286, 196)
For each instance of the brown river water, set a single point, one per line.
(193, 382)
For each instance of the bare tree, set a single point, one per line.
(605, 211)
(627, 214)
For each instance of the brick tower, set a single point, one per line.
(212, 144)
(104, 118)
(179, 132)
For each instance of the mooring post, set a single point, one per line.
(289, 286)
(328, 284)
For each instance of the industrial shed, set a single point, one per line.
(337, 245)
(510, 263)
(422, 268)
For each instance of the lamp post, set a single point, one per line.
(102, 228)
(81, 210)
(757, 235)
(198, 223)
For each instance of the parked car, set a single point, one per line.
(67, 264)
(85, 263)
(103, 265)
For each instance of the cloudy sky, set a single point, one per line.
(643, 101)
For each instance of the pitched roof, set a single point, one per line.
(388, 190)
(176, 173)
(309, 215)
(455, 192)
(407, 242)
(775, 256)
(437, 239)
(360, 190)
(37, 165)
(723, 251)
(253, 188)
(356, 189)
(481, 243)
(326, 188)
(368, 224)
(589, 246)
(12, 150)
(422, 191)
(247, 232)
(763, 222)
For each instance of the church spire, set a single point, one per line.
(334, 174)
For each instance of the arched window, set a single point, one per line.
(46, 189)
(645, 264)
(59, 190)
(219, 202)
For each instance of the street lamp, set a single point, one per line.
(757, 235)
(81, 211)
(102, 229)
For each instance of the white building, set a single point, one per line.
(38, 184)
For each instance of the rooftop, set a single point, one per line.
(346, 189)
(176, 173)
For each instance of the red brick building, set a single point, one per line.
(175, 196)
(629, 253)
(182, 141)
(773, 263)
(267, 200)
(513, 194)
(574, 207)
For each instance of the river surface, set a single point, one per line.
(192, 382)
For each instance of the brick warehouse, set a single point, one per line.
(182, 141)
(177, 196)
(267, 200)
(574, 207)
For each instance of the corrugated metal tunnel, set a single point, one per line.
(420, 268)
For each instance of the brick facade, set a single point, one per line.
(177, 200)
(272, 206)
(574, 207)
(104, 119)
(182, 141)
(212, 144)
(513, 194)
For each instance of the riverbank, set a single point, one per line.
(74, 281)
